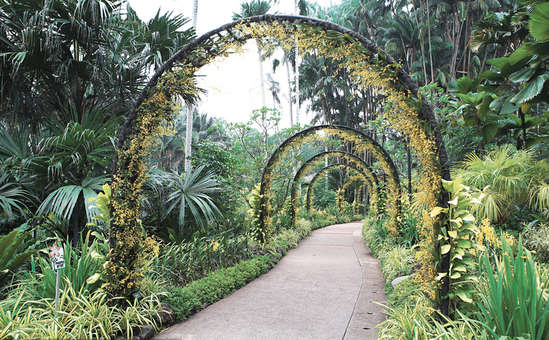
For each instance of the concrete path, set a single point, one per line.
(323, 289)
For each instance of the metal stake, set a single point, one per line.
(57, 289)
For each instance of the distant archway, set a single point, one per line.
(372, 179)
(316, 178)
(361, 143)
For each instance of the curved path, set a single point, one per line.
(326, 288)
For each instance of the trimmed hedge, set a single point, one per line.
(197, 295)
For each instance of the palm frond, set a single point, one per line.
(193, 192)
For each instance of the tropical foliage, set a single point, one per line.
(139, 229)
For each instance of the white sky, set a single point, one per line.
(232, 83)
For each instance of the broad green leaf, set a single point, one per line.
(508, 107)
(445, 249)
(464, 244)
(465, 84)
(491, 75)
(522, 75)
(460, 268)
(490, 131)
(455, 275)
(464, 296)
(532, 89)
(93, 279)
(539, 22)
(436, 211)
(440, 276)
(469, 218)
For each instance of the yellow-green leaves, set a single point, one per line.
(436, 211)
(445, 249)
(457, 241)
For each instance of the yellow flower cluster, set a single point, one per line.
(487, 234)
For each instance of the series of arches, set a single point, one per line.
(360, 142)
(366, 64)
(370, 177)
(327, 169)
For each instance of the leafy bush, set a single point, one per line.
(421, 322)
(198, 294)
(83, 267)
(9, 258)
(536, 239)
(375, 235)
(513, 303)
(289, 238)
(396, 261)
(507, 178)
(180, 263)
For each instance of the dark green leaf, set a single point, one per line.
(532, 89)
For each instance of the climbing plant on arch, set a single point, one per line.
(371, 178)
(361, 143)
(318, 176)
(366, 64)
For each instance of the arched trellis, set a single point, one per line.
(346, 134)
(359, 163)
(366, 64)
(318, 176)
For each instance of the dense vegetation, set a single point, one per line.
(72, 69)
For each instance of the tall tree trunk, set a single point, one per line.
(190, 110)
(422, 45)
(75, 221)
(297, 70)
(290, 93)
(261, 75)
(195, 13)
(430, 45)
(188, 138)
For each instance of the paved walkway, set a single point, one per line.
(323, 289)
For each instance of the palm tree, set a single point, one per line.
(13, 198)
(75, 165)
(192, 191)
(250, 9)
(507, 178)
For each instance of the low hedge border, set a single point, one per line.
(197, 295)
(185, 301)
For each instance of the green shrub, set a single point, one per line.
(405, 293)
(418, 320)
(198, 294)
(396, 261)
(82, 272)
(513, 303)
(10, 259)
(536, 239)
(181, 263)
(375, 235)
